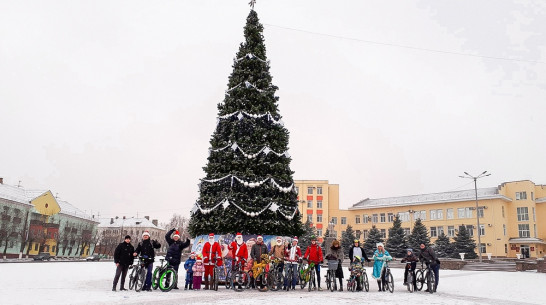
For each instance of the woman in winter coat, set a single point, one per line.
(335, 252)
(380, 256)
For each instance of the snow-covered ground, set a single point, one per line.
(91, 283)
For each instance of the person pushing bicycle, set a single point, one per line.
(174, 252)
(428, 256)
(411, 263)
(314, 255)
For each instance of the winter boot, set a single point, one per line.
(206, 285)
(379, 285)
(340, 284)
(186, 286)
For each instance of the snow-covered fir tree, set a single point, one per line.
(305, 239)
(374, 237)
(347, 239)
(464, 243)
(419, 235)
(396, 242)
(248, 185)
(443, 246)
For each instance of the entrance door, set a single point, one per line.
(524, 250)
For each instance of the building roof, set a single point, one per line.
(454, 196)
(24, 196)
(127, 223)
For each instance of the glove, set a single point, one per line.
(403, 260)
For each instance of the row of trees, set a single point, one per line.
(397, 241)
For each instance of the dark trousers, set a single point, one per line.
(121, 270)
(148, 283)
(175, 266)
(436, 269)
(317, 270)
(294, 278)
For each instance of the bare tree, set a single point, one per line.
(9, 227)
(177, 221)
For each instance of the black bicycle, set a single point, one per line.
(388, 280)
(425, 275)
(138, 274)
(238, 278)
(215, 275)
(290, 273)
(276, 278)
(331, 275)
(164, 277)
(409, 279)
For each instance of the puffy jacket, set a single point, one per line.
(428, 256)
(175, 248)
(314, 253)
(188, 265)
(124, 254)
(146, 248)
(198, 270)
(257, 251)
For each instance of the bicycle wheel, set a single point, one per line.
(132, 278)
(228, 280)
(365, 282)
(140, 279)
(390, 281)
(419, 280)
(303, 277)
(261, 280)
(410, 282)
(430, 281)
(215, 279)
(329, 285)
(155, 278)
(167, 280)
(279, 280)
(351, 283)
(311, 279)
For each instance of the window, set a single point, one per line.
(310, 217)
(319, 232)
(523, 214)
(374, 218)
(460, 213)
(532, 196)
(437, 214)
(357, 219)
(365, 218)
(468, 212)
(504, 229)
(523, 230)
(310, 190)
(343, 220)
(390, 217)
(383, 233)
(480, 212)
(423, 215)
(404, 216)
(319, 218)
(521, 195)
(407, 231)
(319, 190)
(470, 229)
(483, 248)
(440, 231)
(420, 215)
(319, 204)
(366, 234)
(535, 227)
(334, 220)
(382, 215)
(534, 215)
(433, 232)
(482, 230)
(432, 214)
(310, 204)
(357, 234)
(449, 213)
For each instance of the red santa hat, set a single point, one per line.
(193, 253)
(211, 235)
(260, 237)
(176, 233)
(295, 239)
(199, 259)
(145, 233)
(239, 234)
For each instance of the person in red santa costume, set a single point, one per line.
(239, 253)
(212, 254)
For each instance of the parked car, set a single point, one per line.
(94, 258)
(44, 256)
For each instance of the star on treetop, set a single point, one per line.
(252, 3)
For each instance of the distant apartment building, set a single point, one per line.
(510, 214)
(112, 231)
(33, 221)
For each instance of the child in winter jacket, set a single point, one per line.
(188, 265)
(198, 270)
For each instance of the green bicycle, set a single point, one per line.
(164, 277)
(307, 274)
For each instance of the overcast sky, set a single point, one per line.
(111, 104)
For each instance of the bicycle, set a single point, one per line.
(138, 274)
(425, 274)
(238, 277)
(290, 274)
(331, 275)
(215, 276)
(307, 274)
(164, 277)
(276, 278)
(387, 277)
(260, 272)
(410, 278)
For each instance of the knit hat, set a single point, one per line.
(127, 237)
(313, 237)
(380, 244)
(410, 250)
(145, 233)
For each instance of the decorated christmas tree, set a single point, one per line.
(396, 243)
(248, 185)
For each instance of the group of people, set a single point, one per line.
(199, 268)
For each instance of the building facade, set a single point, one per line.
(112, 231)
(33, 221)
(510, 215)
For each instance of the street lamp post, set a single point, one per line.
(475, 178)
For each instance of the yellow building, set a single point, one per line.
(510, 214)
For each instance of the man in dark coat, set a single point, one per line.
(123, 258)
(175, 249)
(428, 256)
(256, 252)
(146, 250)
